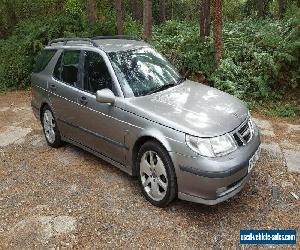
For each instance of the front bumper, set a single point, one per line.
(223, 197)
(213, 180)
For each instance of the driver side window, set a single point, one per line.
(96, 74)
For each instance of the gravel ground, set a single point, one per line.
(69, 198)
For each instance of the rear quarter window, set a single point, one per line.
(43, 59)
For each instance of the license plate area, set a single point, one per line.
(254, 160)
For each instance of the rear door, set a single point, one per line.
(63, 88)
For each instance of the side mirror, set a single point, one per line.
(105, 96)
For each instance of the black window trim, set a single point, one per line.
(80, 69)
(114, 89)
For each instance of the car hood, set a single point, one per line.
(191, 108)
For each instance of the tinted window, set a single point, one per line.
(58, 68)
(66, 68)
(96, 74)
(42, 60)
(143, 71)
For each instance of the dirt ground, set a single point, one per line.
(68, 198)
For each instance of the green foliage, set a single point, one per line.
(29, 37)
(180, 43)
(260, 62)
(260, 57)
(286, 110)
(133, 27)
(74, 8)
(283, 109)
(234, 9)
(106, 23)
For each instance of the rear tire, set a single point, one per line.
(50, 128)
(156, 174)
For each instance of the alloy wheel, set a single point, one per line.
(153, 175)
(49, 125)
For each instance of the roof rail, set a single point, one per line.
(117, 37)
(66, 40)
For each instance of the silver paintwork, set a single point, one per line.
(115, 131)
(105, 96)
(113, 45)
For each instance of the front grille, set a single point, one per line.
(244, 129)
(238, 140)
(247, 137)
(244, 133)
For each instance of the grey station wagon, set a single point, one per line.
(121, 100)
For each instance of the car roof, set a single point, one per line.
(113, 45)
(107, 44)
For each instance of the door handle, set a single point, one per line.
(53, 86)
(83, 100)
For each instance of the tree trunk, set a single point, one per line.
(218, 25)
(10, 12)
(120, 17)
(172, 9)
(132, 7)
(135, 7)
(91, 8)
(10, 18)
(147, 19)
(262, 8)
(162, 11)
(139, 10)
(204, 18)
(282, 8)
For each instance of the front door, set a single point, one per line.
(102, 123)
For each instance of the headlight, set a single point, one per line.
(211, 147)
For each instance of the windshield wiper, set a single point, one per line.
(163, 87)
(181, 80)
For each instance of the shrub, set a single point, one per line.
(260, 62)
(264, 55)
(261, 57)
(29, 37)
(180, 43)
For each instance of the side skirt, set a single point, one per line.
(103, 157)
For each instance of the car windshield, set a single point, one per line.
(143, 71)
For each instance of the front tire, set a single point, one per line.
(156, 174)
(50, 128)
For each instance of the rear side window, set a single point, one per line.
(43, 59)
(66, 68)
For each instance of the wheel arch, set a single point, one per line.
(42, 106)
(156, 136)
